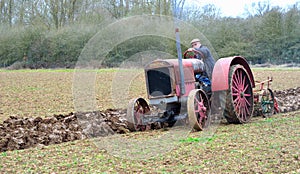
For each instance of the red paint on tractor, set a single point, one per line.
(221, 72)
(187, 69)
(189, 76)
(189, 86)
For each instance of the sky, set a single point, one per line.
(234, 8)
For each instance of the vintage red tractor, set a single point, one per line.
(231, 86)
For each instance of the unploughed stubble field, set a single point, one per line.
(261, 146)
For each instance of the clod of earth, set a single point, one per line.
(288, 100)
(21, 133)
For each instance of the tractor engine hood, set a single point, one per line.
(196, 64)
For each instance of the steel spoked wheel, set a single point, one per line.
(239, 99)
(267, 103)
(198, 109)
(135, 111)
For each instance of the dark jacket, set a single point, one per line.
(207, 58)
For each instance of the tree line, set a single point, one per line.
(52, 33)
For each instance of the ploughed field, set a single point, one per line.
(37, 106)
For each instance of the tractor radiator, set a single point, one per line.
(159, 82)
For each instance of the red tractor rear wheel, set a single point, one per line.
(136, 109)
(198, 109)
(239, 97)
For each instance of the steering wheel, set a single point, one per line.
(190, 54)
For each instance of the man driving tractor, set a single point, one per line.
(203, 53)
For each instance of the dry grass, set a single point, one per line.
(32, 93)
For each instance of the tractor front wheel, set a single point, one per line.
(198, 107)
(135, 111)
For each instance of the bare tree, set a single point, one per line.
(2, 11)
(71, 10)
(178, 8)
(167, 7)
(258, 9)
(10, 11)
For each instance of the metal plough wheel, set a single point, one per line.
(267, 103)
(136, 109)
(198, 109)
(239, 97)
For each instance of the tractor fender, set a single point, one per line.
(221, 72)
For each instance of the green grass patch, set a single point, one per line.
(199, 139)
(4, 154)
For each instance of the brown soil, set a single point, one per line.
(22, 133)
(288, 100)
